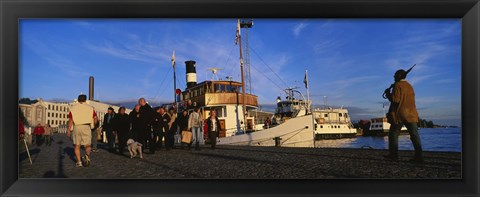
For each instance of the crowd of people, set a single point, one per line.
(154, 128)
(42, 134)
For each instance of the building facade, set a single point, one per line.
(56, 113)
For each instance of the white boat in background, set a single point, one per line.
(292, 126)
(333, 123)
(380, 127)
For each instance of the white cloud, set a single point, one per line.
(55, 59)
(298, 29)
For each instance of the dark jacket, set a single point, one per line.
(134, 121)
(106, 124)
(182, 122)
(121, 123)
(146, 116)
(160, 122)
(210, 126)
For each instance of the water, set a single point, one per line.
(437, 139)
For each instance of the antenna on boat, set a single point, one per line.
(214, 72)
(325, 101)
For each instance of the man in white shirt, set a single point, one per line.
(81, 117)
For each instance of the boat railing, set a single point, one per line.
(333, 122)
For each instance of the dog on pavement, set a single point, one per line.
(133, 148)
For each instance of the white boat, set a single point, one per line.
(292, 126)
(380, 127)
(234, 107)
(333, 123)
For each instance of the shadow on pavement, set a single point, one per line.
(70, 152)
(24, 155)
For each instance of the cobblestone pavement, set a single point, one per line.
(57, 161)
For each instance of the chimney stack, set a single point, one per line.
(90, 88)
(191, 73)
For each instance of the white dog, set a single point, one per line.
(133, 147)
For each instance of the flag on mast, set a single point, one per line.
(237, 36)
(173, 59)
(305, 80)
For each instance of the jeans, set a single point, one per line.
(94, 138)
(160, 135)
(197, 136)
(38, 139)
(170, 138)
(213, 138)
(393, 138)
(110, 139)
(48, 140)
(122, 141)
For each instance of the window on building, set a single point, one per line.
(325, 115)
(39, 114)
(48, 114)
(346, 115)
(56, 115)
(340, 115)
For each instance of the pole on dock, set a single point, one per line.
(244, 111)
(309, 106)
(28, 152)
(174, 82)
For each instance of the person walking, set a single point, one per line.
(267, 123)
(81, 117)
(48, 135)
(182, 122)
(403, 111)
(121, 125)
(172, 128)
(38, 132)
(160, 127)
(95, 136)
(135, 122)
(107, 127)
(213, 128)
(145, 125)
(195, 124)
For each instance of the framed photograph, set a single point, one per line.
(240, 98)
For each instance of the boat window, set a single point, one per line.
(222, 88)
(321, 126)
(216, 87)
(228, 88)
(239, 89)
(340, 114)
(207, 88)
(201, 90)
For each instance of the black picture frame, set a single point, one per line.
(11, 11)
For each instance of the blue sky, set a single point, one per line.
(350, 61)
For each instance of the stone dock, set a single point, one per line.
(57, 161)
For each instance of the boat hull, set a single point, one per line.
(296, 132)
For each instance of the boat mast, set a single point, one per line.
(174, 82)
(243, 79)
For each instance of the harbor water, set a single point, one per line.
(433, 139)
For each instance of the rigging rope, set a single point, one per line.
(273, 82)
(269, 67)
(161, 84)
